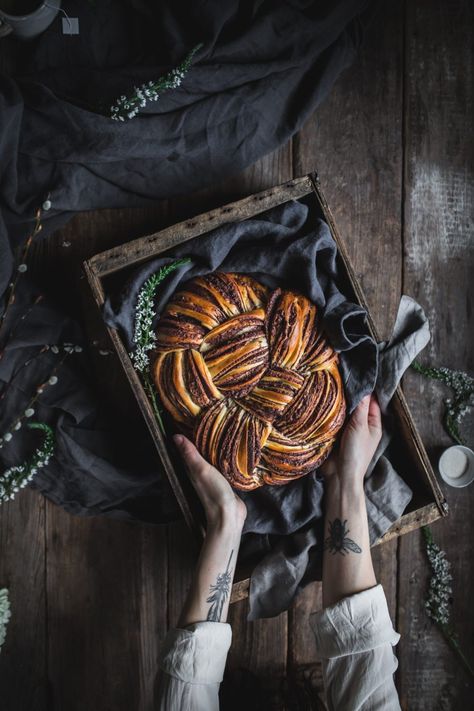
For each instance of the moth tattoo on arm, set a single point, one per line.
(219, 593)
(338, 540)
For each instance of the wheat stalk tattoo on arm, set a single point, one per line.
(219, 593)
(338, 540)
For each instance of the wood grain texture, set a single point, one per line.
(106, 595)
(257, 662)
(23, 665)
(438, 268)
(301, 643)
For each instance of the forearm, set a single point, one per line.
(347, 562)
(209, 595)
(195, 653)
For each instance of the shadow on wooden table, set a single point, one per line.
(300, 690)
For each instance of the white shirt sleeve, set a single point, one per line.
(354, 639)
(192, 664)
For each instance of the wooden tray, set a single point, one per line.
(428, 503)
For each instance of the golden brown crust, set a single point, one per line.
(250, 374)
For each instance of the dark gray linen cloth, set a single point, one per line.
(95, 470)
(291, 246)
(263, 68)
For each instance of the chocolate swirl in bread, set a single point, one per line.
(248, 374)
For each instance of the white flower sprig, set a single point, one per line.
(17, 477)
(440, 591)
(127, 107)
(439, 598)
(5, 614)
(461, 401)
(17, 423)
(144, 336)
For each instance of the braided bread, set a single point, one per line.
(247, 373)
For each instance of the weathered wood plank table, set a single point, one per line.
(92, 598)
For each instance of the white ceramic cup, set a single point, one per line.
(31, 24)
(458, 481)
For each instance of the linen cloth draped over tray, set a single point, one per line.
(292, 247)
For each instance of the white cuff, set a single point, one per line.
(198, 653)
(356, 624)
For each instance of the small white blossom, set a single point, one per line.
(47, 205)
(144, 336)
(5, 614)
(439, 598)
(53, 380)
(22, 268)
(29, 412)
(7, 436)
(440, 590)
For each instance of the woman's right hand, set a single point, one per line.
(358, 443)
(220, 502)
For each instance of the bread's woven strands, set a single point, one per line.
(249, 376)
